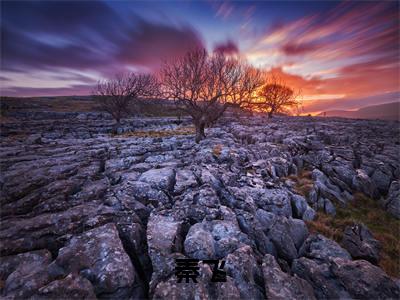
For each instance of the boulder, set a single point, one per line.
(185, 179)
(145, 193)
(9, 264)
(316, 246)
(288, 235)
(163, 179)
(265, 219)
(98, 255)
(199, 243)
(25, 273)
(360, 243)
(71, 287)
(299, 205)
(363, 183)
(362, 280)
(242, 266)
(276, 201)
(382, 180)
(319, 275)
(309, 214)
(280, 285)
(161, 246)
(392, 202)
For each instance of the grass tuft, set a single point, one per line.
(384, 227)
(303, 182)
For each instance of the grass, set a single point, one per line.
(303, 182)
(160, 133)
(382, 225)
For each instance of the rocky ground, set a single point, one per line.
(85, 214)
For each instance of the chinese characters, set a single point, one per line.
(188, 269)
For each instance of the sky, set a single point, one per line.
(338, 54)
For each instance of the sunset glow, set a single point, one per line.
(341, 55)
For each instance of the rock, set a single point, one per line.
(46, 230)
(363, 183)
(360, 243)
(34, 139)
(99, 256)
(207, 197)
(170, 289)
(316, 246)
(71, 287)
(163, 179)
(227, 237)
(363, 280)
(199, 243)
(63, 177)
(287, 236)
(392, 202)
(256, 229)
(382, 180)
(266, 219)
(312, 196)
(203, 289)
(329, 208)
(319, 275)
(145, 193)
(299, 205)
(25, 273)
(280, 285)
(276, 201)
(162, 245)
(247, 276)
(309, 214)
(9, 264)
(185, 179)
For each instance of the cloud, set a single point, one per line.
(298, 49)
(349, 52)
(73, 90)
(86, 36)
(349, 104)
(228, 47)
(224, 10)
(147, 44)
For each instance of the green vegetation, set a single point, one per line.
(303, 182)
(384, 227)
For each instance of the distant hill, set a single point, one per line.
(387, 111)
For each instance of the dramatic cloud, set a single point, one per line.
(85, 36)
(229, 48)
(72, 90)
(297, 49)
(350, 51)
(333, 53)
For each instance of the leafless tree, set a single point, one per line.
(276, 97)
(205, 85)
(116, 96)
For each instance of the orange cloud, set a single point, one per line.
(347, 53)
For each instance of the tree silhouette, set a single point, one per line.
(205, 85)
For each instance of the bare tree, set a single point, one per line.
(276, 97)
(116, 96)
(206, 85)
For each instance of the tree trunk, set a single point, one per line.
(270, 113)
(200, 131)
